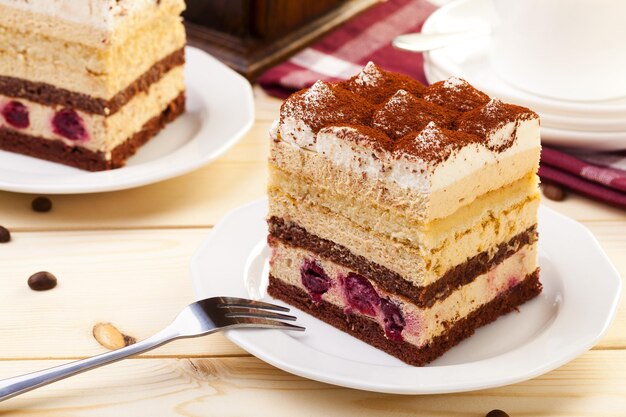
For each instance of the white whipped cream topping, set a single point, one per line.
(297, 133)
(369, 75)
(474, 157)
(100, 14)
(348, 154)
(406, 170)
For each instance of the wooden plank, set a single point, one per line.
(138, 280)
(592, 385)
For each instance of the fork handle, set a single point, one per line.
(20, 384)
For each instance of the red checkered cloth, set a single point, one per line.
(597, 175)
(343, 52)
(367, 37)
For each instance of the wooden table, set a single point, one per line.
(123, 258)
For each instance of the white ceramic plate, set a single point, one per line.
(567, 132)
(220, 110)
(580, 296)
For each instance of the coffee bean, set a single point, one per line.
(41, 204)
(553, 191)
(497, 413)
(42, 281)
(5, 235)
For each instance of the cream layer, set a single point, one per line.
(398, 224)
(98, 23)
(419, 264)
(424, 206)
(422, 324)
(91, 70)
(105, 132)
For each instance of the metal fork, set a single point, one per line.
(200, 318)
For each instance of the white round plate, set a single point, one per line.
(220, 110)
(556, 129)
(547, 332)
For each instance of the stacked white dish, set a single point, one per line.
(599, 125)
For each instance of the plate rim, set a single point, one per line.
(155, 175)
(242, 339)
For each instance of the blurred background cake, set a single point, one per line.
(86, 83)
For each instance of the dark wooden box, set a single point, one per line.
(252, 35)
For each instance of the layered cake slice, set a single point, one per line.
(403, 215)
(85, 83)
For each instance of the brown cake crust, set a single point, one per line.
(79, 157)
(293, 235)
(50, 95)
(370, 332)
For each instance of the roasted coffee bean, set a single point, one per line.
(553, 192)
(42, 281)
(497, 413)
(5, 235)
(41, 204)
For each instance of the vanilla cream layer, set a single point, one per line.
(398, 224)
(98, 23)
(425, 204)
(422, 324)
(91, 70)
(420, 264)
(105, 132)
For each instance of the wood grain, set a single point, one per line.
(136, 280)
(592, 385)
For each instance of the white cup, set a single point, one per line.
(563, 49)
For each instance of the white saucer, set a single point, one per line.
(546, 333)
(566, 131)
(220, 110)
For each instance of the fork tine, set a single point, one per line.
(246, 312)
(244, 302)
(264, 323)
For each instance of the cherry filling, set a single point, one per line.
(314, 279)
(16, 114)
(360, 294)
(69, 124)
(393, 319)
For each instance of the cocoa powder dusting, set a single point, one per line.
(456, 94)
(324, 104)
(392, 112)
(433, 144)
(377, 85)
(484, 120)
(404, 113)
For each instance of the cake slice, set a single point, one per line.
(403, 215)
(86, 83)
